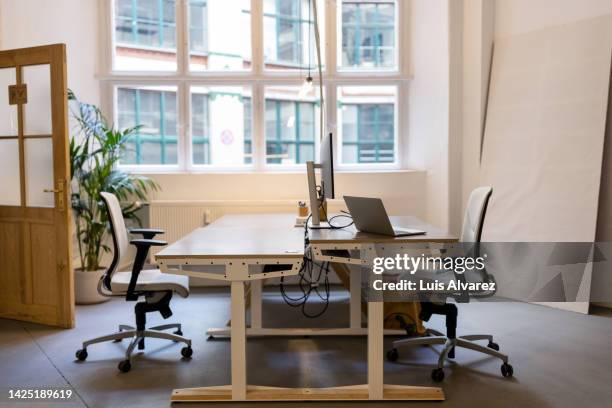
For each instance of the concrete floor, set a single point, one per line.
(561, 359)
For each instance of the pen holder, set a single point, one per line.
(302, 209)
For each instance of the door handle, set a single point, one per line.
(59, 190)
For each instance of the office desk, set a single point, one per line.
(321, 240)
(242, 243)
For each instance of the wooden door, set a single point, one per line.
(36, 280)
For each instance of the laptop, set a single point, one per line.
(369, 215)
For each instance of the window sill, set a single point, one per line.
(225, 172)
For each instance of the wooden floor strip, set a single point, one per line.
(350, 393)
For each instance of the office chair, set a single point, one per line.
(471, 232)
(157, 288)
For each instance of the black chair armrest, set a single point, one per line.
(138, 243)
(147, 233)
(142, 250)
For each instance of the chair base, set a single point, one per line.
(137, 339)
(434, 337)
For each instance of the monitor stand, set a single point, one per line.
(315, 203)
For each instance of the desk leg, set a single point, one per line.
(238, 342)
(256, 316)
(375, 333)
(355, 302)
(375, 350)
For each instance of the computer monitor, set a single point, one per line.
(317, 199)
(327, 167)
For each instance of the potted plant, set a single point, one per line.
(95, 149)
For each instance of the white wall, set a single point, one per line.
(429, 103)
(487, 20)
(27, 23)
(402, 191)
(478, 18)
(602, 280)
(521, 16)
(455, 114)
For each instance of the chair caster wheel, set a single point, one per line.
(81, 354)
(507, 370)
(187, 352)
(392, 355)
(493, 346)
(437, 374)
(124, 366)
(178, 332)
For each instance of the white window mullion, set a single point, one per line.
(106, 33)
(257, 99)
(184, 147)
(331, 37)
(257, 38)
(184, 128)
(403, 59)
(258, 133)
(331, 97)
(401, 123)
(182, 37)
(402, 38)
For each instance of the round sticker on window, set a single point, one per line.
(227, 137)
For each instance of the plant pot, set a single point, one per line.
(86, 287)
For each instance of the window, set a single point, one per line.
(220, 122)
(368, 34)
(289, 41)
(198, 32)
(145, 35)
(248, 131)
(200, 131)
(155, 111)
(221, 43)
(367, 117)
(215, 85)
(291, 128)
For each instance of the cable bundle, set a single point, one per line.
(311, 274)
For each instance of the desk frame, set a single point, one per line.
(237, 272)
(355, 328)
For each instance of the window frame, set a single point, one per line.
(204, 168)
(399, 119)
(298, 141)
(139, 93)
(399, 10)
(180, 145)
(377, 142)
(159, 22)
(258, 78)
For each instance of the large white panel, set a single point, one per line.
(10, 192)
(37, 112)
(544, 135)
(545, 130)
(39, 172)
(8, 113)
